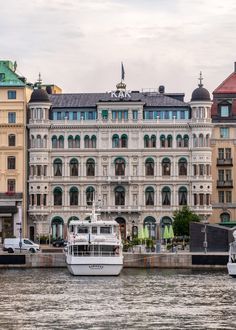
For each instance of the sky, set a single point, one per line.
(79, 44)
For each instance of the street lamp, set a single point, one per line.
(20, 224)
(205, 243)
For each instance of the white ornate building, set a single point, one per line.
(141, 154)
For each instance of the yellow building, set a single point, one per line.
(14, 95)
(224, 151)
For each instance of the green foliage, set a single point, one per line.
(182, 219)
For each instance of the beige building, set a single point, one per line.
(14, 94)
(224, 151)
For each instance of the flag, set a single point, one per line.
(122, 71)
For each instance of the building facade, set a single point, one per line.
(14, 95)
(140, 155)
(224, 151)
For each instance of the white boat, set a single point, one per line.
(94, 247)
(231, 265)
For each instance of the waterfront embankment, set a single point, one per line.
(131, 260)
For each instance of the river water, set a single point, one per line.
(137, 299)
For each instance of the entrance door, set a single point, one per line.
(122, 223)
(31, 233)
(7, 227)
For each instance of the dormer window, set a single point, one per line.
(224, 110)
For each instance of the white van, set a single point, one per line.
(13, 244)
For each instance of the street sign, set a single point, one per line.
(18, 223)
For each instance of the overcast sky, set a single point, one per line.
(79, 44)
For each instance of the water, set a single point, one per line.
(137, 299)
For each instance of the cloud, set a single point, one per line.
(79, 44)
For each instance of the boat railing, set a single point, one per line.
(76, 253)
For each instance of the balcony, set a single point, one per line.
(118, 179)
(225, 184)
(11, 195)
(224, 162)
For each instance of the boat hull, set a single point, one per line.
(94, 269)
(231, 269)
(94, 266)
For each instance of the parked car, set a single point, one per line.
(13, 244)
(59, 242)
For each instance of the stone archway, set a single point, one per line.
(122, 223)
(57, 225)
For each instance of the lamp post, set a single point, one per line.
(20, 224)
(205, 243)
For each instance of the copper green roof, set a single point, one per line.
(8, 77)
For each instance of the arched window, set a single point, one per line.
(54, 141)
(57, 167)
(124, 141)
(162, 141)
(166, 196)
(11, 140)
(183, 196)
(146, 141)
(182, 166)
(179, 141)
(74, 194)
(150, 224)
(90, 167)
(93, 141)
(45, 139)
(119, 166)
(153, 141)
(86, 141)
(186, 139)
(32, 142)
(195, 142)
(201, 139)
(38, 139)
(115, 141)
(90, 195)
(57, 194)
(207, 140)
(119, 196)
(149, 167)
(169, 141)
(74, 167)
(61, 141)
(70, 141)
(149, 196)
(166, 166)
(225, 217)
(77, 141)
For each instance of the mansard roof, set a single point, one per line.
(228, 86)
(91, 99)
(8, 76)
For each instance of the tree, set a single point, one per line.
(182, 219)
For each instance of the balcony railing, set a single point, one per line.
(224, 162)
(11, 195)
(225, 184)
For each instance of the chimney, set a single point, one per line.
(234, 66)
(161, 89)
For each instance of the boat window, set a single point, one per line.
(94, 230)
(83, 230)
(105, 230)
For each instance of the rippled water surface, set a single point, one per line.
(137, 299)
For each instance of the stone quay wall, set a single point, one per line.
(131, 260)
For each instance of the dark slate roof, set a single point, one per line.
(91, 99)
(200, 94)
(39, 95)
